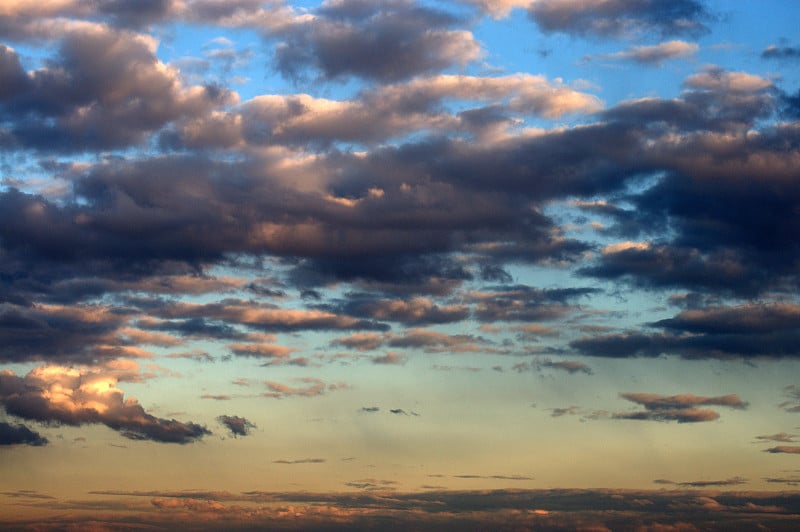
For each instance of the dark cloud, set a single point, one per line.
(786, 449)
(437, 509)
(622, 18)
(524, 303)
(53, 332)
(781, 52)
(733, 481)
(90, 398)
(380, 40)
(753, 330)
(238, 426)
(401, 412)
(97, 94)
(20, 435)
(680, 408)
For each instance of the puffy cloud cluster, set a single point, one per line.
(78, 396)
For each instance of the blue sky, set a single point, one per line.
(315, 263)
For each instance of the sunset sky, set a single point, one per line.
(352, 262)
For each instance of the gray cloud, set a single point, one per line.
(238, 426)
(783, 449)
(97, 94)
(386, 41)
(781, 52)
(20, 435)
(748, 331)
(621, 18)
(733, 481)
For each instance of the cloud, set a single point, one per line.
(269, 351)
(20, 435)
(300, 461)
(793, 393)
(238, 426)
(99, 93)
(401, 412)
(570, 366)
(495, 477)
(780, 437)
(680, 408)
(787, 449)
(345, 35)
(437, 509)
(69, 333)
(781, 52)
(372, 484)
(524, 303)
(655, 54)
(309, 387)
(733, 481)
(263, 317)
(390, 358)
(414, 311)
(73, 396)
(752, 330)
(621, 18)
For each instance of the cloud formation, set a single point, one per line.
(621, 18)
(680, 408)
(72, 396)
(18, 434)
(238, 426)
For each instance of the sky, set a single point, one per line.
(400, 264)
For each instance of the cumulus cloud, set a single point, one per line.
(386, 41)
(97, 94)
(74, 396)
(385, 112)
